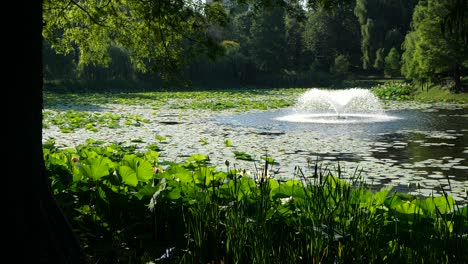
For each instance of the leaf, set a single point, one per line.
(128, 175)
(147, 191)
(204, 141)
(393, 201)
(204, 174)
(183, 177)
(291, 188)
(142, 168)
(228, 143)
(95, 168)
(381, 196)
(408, 208)
(103, 195)
(269, 160)
(174, 194)
(443, 203)
(160, 138)
(242, 156)
(198, 158)
(152, 156)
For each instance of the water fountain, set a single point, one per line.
(355, 105)
(401, 146)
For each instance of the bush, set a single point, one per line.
(393, 91)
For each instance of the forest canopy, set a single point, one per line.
(263, 43)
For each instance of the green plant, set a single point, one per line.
(131, 207)
(393, 91)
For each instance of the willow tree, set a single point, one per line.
(429, 50)
(157, 33)
(383, 24)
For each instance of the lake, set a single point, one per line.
(423, 151)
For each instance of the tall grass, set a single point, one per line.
(319, 218)
(124, 211)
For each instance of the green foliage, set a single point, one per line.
(243, 156)
(341, 67)
(330, 34)
(427, 51)
(439, 93)
(130, 211)
(70, 120)
(382, 24)
(153, 34)
(392, 63)
(394, 90)
(216, 100)
(228, 143)
(268, 39)
(379, 59)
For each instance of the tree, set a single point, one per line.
(379, 59)
(328, 34)
(268, 39)
(42, 233)
(383, 23)
(392, 63)
(158, 36)
(340, 67)
(428, 50)
(295, 59)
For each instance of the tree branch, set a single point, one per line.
(87, 13)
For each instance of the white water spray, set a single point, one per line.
(355, 105)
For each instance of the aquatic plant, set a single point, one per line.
(133, 207)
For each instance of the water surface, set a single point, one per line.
(428, 147)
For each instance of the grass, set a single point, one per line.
(439, 93)
(399, 90)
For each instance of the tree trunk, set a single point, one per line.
(42, 232)
(457, 80)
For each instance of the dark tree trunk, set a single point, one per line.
(457, 80)
(43, 235)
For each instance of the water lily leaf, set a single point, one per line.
(152, 156)
(199, 158)
(147, 191)
(269, 160)
(409, 208)
(243, 156)
(380, 196)
(160, 138)
(142, 168)
(394, 201)
(228, 143)
(443, 203)
(96, 168)
(174, 194)
(273, 185)
(291, 188)
(128, 175)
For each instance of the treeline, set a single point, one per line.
(295, 47)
